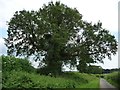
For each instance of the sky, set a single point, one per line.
(92, 10)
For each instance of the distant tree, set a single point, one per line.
(106, 71)
(58, 33)
(114, 70)
(94, 69)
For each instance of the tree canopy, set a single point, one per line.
(58, 33)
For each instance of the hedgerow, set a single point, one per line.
(10, 63)
(18, 73)
(114, 78)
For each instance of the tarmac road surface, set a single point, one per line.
(104, 85)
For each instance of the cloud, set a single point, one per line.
(109, 64)
(92, 10)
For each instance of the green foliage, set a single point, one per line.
(0, 79)
(82, 67)
(21, 79)
(94, 69)
(113, 78)
(82, 80)
(15, 75)
(58, 33)
(26, 80)
(93, 84)
(10, 63)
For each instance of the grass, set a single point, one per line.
(91, 84)
(113, 78)
(18, 73)
(31, 80)
(84, 80)
(22, 79)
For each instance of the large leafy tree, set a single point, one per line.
(59, 34)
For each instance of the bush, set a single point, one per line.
(114, 78)
(22, 79)
(31, 80)
(10, 63)
(16, 75)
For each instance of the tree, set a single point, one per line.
(59, 34)
(82, 67)
(94, 69)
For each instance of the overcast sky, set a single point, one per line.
(92, 10)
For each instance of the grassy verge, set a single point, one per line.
(91, 84)
(22, 79)
(18, 73)
(86, 80)
(31, 80)
(113, 78)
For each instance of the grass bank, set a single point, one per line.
(113, 78)
(18, 73)
(91, 84)
(21, 79)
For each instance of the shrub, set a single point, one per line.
(31, 80)
(10, 63)
(114, 78)
(16, 75)
(22, 79)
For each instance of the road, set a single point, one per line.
(104, 85)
